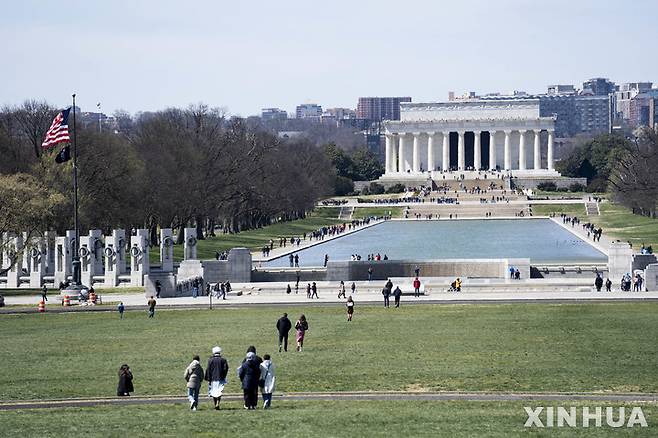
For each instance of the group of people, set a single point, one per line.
(283, 326)
(514, 273)
(632, 282)
(387, 291)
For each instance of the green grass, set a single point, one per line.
(361, 212)
(313, 419)
(520, 347)
(568, 209)
(256, 239)
(621, 223)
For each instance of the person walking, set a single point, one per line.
(397, 293)
(350, 308)
(301, 326)
(288, 290)
(283, 326)
(353, 288)
(308, 290)
(296, 261)
(151, 303)
(193, 376)
(267, 380)
(341, 290)
(369, 273)
(125, 386)
(314, 290)
(608, 285)
(598, 282)
(44, 293)
(387, 293)
(249, 374)
(121, 308)
(158, 288)
(291, 259)
(416, 287)
(195, 288)
(216, 373)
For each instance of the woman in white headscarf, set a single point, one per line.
(216, 373)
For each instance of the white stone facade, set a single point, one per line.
(488, 135)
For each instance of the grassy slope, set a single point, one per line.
(594, 347)
(361, 212)
(624, 225)
(312, 419)
(568, 209)
(256, 239)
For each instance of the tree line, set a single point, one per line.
(625, 167)
(171, 168)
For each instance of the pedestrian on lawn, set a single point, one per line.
(216, 373)
(194, 376)
(267, 380)
(301, 326)
(249, 373)
(283, 326)
(350, 308)
(125, 386)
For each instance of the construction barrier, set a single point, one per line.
(42, 306)
(67, 301)
(92, 298)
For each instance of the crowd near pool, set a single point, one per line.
(540, 240)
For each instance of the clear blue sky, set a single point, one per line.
(246, 55)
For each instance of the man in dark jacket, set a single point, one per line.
(283, 325)
(396, 294)
(249, 374)
(387, 293)
(216, 373)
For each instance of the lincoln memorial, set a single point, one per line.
(471, 135)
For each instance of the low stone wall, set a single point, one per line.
(288, 275)
(561, 182)
(381, 270)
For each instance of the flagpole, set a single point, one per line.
(75, 260)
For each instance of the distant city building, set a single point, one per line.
(309, 111)
(624, 96)
(98, 121)
(642, 109)
(593, 114)
(561, 89)
(273, 114)
(380, 108)
(338, 114)
(599, 86)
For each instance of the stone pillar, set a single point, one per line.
(507, 152)
(190, 244)
(167, 249)
(551, 134)
(63, 255)
(389, 154)
(25, 267)
(394, 153)
(87, 260)
(402, 154)
(431, 160)
(122, 247)
(239, 260)
(460, 151)
(416, 152)
(620, 259)
(492, 150)
(445, 165)
(537, 151)
(114, 256)
(139, 257)
(96, 248)
(14, 255)
(522, 160)
(477, 158)
(37, 262)
(50, 252)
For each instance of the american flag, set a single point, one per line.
(59, 130)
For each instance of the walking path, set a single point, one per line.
(345, 396)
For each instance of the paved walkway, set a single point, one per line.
(344, 396)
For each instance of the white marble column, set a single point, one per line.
(537, 151)
(389, 154)
(431, 164)
(477, 159)
(394, 153)
(402, 153)
(551, 134)
(522, 149)
(445, 165)
(507, 152)
(460, 151)
(416, 152)
(492, 150)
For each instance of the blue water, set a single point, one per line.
(540, 240)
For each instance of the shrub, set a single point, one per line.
(396, 188)
(576, 187)
(376, 188)
(548, 186)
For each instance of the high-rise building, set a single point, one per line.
(561, 89)
(643, 109)
(380, 108)
(599, 86)
(623, 97)
(309, 111)
(273, 114)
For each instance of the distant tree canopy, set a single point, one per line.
(595, 160)
(359, 165)
(171, 168)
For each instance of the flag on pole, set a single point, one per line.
(59, 130)
(64, 155)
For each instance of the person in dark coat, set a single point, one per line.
(249, 373)
(598, 282)
(216, 373)
(396, 294)
(125, 386)
(283, 325)
(387, 293)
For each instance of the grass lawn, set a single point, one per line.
(314, 419)
(621, 223)
(256, 239)
(568, 209)
(518, 347)
(361, 212)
